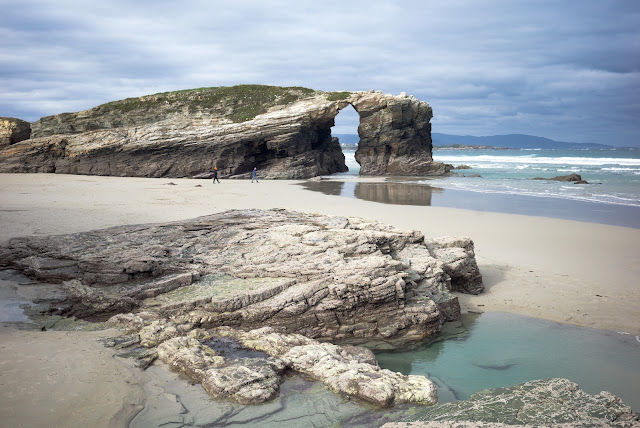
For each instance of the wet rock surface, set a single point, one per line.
(350, 370)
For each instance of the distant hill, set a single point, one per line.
(513, 141)
(349, 139)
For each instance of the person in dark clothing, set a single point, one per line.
(215, 175)
(254, 175)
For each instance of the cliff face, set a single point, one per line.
(395, 135)
(284, 132)
(13, 131)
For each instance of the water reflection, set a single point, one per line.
(386, 193)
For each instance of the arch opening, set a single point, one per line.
(346, 130)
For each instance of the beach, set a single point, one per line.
(561, 270)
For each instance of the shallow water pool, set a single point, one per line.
(499, 349)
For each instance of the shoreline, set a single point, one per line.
(571, 272)
(535, 253)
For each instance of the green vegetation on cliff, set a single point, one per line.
(237, 103)
(339, 96)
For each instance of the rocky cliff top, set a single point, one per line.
(233, 104)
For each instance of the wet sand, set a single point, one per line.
(568, 271)
(64, 379)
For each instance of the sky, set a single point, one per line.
(567, 70)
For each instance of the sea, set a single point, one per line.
(502, 180)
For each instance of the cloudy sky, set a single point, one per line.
(562, 69)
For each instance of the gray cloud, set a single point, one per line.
(566, 70)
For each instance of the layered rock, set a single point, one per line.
(552, 402)
(349, 370)
(324, 277)
(395, 135)
(13, 131)
(284, 132)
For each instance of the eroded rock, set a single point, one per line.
(349, 370)
(13, 131)
(284, 132)
(552, 402)
(320, 276)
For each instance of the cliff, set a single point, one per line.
(13, 131)
(284, 132)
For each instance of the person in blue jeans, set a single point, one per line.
(254, 174)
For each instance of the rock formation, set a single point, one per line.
(552, 402)
(284, 132)
(13, 131)
(348, 370)
(324, 277)
(575, 178)
(272, 281)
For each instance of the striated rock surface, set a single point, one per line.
(348, 370)
(284, 132)
(13, 131)
(324, 277)
(255, 378)
(395, 135)
(552, 402)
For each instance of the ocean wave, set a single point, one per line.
(619, 169)
(484, 160)
(550, 190)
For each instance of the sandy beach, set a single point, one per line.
(566, 271)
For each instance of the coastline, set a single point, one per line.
(546, 258)
(568, 271)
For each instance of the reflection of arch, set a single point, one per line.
(386, 193)
(396, 193)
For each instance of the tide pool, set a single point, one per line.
(497, 349)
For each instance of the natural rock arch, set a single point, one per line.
(284, 132)
(395, 134)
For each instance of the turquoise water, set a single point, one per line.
(614, 175)
(501, 349)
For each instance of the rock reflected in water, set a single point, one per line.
(386, 193)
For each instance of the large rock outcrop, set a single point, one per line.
(324, 277)
(284, 132)
(552, 402)
(13, 131)
(395, 135)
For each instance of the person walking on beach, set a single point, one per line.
(254, 174)
(215, 175)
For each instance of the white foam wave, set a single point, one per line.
(532, 159)
(549, 190)
(619, 169)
